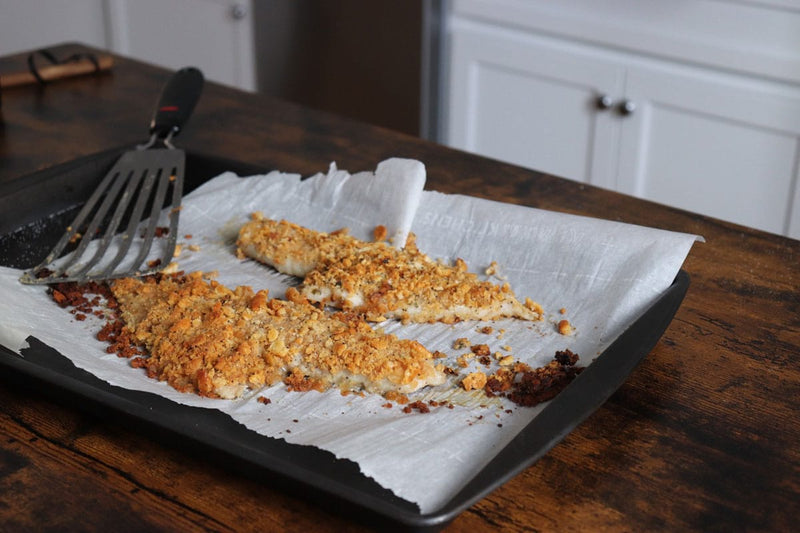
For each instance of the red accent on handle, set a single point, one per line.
(168, 108)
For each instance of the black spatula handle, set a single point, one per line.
(177, 101)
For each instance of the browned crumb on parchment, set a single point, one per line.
(520, 383)
(528, 386)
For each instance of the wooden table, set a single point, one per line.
(705, 435)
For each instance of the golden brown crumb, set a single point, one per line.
(564, 327)
(463, 360)
(379, 233)
(481, 349)
(461, 343)
(397, 397)
(487, 330)
(474, 381)
(507, 360)
(563, 311)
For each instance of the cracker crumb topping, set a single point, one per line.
(205, 338)
(376, 279)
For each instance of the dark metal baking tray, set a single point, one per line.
(35, 210)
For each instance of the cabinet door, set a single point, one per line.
(720, 145)
(214, 35)
(531, 101)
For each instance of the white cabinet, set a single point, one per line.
(533, 102)
(693, 135)
(214, 35)
(717, 145)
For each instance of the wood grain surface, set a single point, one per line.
(704, 435)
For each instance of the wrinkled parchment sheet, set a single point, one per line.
(602, 274)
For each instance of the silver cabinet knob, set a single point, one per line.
(238, 11)
(627, 107)
(604, 101)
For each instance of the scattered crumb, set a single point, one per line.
(474, 381)
(564, 327)
(528, 386)
(488, 330)
(418, 406)
(481, 349)
(563, 311)
(463, 360)
(193, 248)
(508, 360)
(379, 233)
(264, 400)
(461, 343)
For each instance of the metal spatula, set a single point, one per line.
(138, 184)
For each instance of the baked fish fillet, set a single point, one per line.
(376, 279)
(205, 338)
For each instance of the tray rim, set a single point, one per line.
(602, 377)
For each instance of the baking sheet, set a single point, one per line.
(459, 213)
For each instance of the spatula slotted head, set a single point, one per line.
(140, 186)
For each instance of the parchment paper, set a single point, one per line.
(602, 274)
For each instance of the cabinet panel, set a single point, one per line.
(533, 103)
(720, 146)
(33, 24)
(215, 35)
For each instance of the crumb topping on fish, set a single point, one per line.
(377, 280)
(205, 338)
